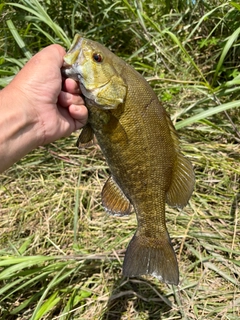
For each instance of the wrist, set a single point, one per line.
(18, 127)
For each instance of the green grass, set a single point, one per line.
(60, 253)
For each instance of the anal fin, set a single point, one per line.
(114, 200)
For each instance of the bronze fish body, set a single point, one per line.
(141, 148)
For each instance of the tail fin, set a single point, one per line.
(151, 256)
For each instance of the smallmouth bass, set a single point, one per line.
(141, 148)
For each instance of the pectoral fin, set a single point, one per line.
(86, 137)
(114, 200)
(182, 184)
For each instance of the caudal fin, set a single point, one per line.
(151, 256)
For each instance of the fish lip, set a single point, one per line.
(64, 68)
(72, 70)
(69, 71)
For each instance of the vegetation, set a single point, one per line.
(60, 253)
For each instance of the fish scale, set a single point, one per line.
(141, 148)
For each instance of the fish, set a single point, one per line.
(141, 148)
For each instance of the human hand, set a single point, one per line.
(56, 109)
(38, 107)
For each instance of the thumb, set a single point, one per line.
(43, 62)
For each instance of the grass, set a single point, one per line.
(60, 253)
(40, 258)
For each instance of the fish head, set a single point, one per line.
(98, 71)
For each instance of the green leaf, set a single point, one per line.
(47, 306)
(235, 5)
(225, 51)
(37, 10)
(25, 245)
(207, 113)
(18, 39)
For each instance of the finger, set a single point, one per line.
(71, 86)
(65, 99)
(79, 113)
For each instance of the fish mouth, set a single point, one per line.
(72, 60)
(65, 66)
(68, 71)
(73, 71)
(64, 69)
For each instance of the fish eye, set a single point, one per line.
(97, 57)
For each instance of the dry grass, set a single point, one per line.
(38, 214)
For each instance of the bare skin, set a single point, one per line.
(38, 107)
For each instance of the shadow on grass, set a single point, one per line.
(136, 297)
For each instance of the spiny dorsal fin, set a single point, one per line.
(114, 200)
(86, 137)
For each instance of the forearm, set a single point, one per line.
(18, 133)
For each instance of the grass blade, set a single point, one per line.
(207, 113)
(18, 39)
(225, 51)
(35, 8)
(76, 208)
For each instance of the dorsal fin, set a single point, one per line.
(183, 178)
(182, 183)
